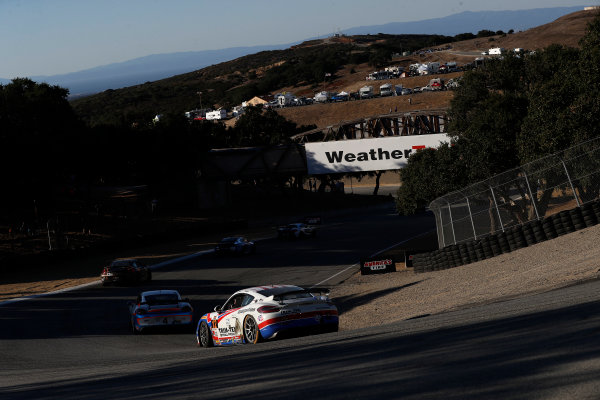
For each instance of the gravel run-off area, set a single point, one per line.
(369, 300)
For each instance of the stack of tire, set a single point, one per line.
(513, 238)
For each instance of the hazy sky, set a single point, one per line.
(48, 37)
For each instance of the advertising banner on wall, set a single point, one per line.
(375, 154)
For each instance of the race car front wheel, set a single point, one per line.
(204, 336)
(251, 332)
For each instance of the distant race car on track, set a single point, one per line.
(295, 231)
(160, 308)
(263, 312)
(235, 245)
(125, 271)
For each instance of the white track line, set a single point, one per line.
(155, 266)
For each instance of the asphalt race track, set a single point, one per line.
(77, 345)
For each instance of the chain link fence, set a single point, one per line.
(534, 191)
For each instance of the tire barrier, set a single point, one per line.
(577, 218)
(565, 218)
(589, 217)
(471, 250)
(503, 242)
(449, 262)
(518, 239)
(465, 258)
(528, 234)
(511, 239)
(478, 248)
(596, 208)
(538, 230)
(558, 226)
(548, 227)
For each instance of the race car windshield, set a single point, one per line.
(161, 299)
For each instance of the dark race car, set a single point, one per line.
(126, 271)
(235, 245)
(296, 231)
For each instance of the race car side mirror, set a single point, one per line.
(186, 300)
(217, 308)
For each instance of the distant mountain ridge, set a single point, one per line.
(470, 21)
(159, 66)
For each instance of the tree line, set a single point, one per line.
(52, 159)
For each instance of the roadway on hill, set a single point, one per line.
(77, 344)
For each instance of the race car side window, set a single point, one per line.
(234, 302)
(247, 300)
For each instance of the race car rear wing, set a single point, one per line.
(281, 296)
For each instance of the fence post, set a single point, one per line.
(451, 222)
(442, 227)
(497, 208)
(471, 216)
(531, 195)
(570, 182)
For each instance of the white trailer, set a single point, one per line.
(496, 51)
(217, 114)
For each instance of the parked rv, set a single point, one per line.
(386, 90)
(366, 92)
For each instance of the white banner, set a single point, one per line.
(376, 154)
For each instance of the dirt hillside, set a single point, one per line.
(567, 30)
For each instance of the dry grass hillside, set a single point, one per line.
(567, 30)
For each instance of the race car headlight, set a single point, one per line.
(268, 309)
(186, 309)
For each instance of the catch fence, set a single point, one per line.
(534, 191)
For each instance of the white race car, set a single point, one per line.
(159, 308)
(262, 312)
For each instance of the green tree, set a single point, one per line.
(40, 139)
(429, 174)
(258, 127)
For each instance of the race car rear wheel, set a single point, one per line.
(134, 330)
(251, 332)
(204, 336)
